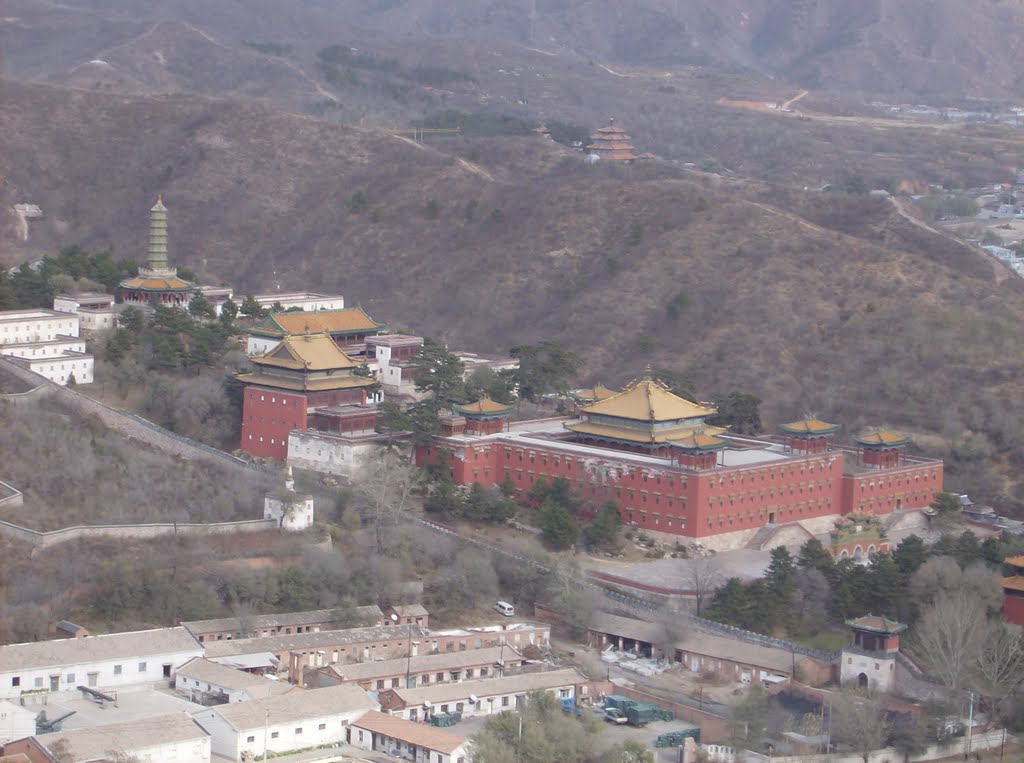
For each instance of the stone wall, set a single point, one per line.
(139, 531)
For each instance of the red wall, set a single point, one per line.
(913, 485)
(267, 418)
(1013, 608)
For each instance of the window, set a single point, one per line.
(321, 727)
(142, 667)
(250, 739)
(273, 734)
(39, 682)
(504, 701)
(69, 678)
(117, 670)
(16, 681)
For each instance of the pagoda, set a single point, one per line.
(157, 281)
(612, 142)
(648, 418)
(882, 448)
(809, 435)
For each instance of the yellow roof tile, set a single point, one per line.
(351, 319)
(648, 400)
(311, 352)
(882, 437)
(485, 405)
(155, 284)
(809, 426)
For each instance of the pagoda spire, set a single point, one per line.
(157, 259)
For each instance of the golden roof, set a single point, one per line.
(304, 384)
(483, 406)
(809, 426)
(350, 319)
(156, 284)
(647, 435)
(311, 352)
(649, 400)
(1014, 561)
(1015, 583)
(882, 437)
(700, 441)
(595, 394)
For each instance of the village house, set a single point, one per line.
(407, 614)
(283, 624)
(674, 475)
(278, 725)
(208, 683)
(421, 670)
(521, 635)
(417, 742)
(483, 696)
(173, 738)
(103, 662)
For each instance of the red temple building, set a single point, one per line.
(304, 382)
(1013, 592)
(349, 328)
(612, 142)
(670, 472)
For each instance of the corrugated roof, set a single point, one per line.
(417, 734)
(649, 400)
(303, 641)
(96, 743)
(256, 622)
(109, 646)
(313, 703)
(310, 352)
(361, 671)
(491, 687)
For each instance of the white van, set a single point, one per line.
(505, 608)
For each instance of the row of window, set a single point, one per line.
(298, 732)
(70, 678)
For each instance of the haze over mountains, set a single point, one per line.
(845, 306)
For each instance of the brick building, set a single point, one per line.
(673, 474)
(304, 382)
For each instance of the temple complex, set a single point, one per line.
(304, 382)
(611, 142)
(157, 281)
(673, 472)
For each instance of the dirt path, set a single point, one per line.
(789, 104)
(475, 169)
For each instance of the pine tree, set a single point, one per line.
(559, 529)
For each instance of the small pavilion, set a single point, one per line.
(882, 448)
(611, 142)
(809, 435)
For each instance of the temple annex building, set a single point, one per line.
(674, 475)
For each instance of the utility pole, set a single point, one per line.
(266, 723)
(970, 725)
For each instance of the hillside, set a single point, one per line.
(847, 307)
(908, 50)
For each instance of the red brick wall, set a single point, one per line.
(1013, 609)
(911, 486)
(267, 418)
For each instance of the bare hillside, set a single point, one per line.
(846, 307)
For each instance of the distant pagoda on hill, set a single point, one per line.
(612, 142)
(157, 281)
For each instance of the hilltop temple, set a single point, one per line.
(157, 281)
(674, 474)
(611, 142)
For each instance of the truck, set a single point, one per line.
(642, 714)
(614, 715)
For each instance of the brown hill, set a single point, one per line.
(848, 307)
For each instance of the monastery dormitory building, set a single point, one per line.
(674, 475)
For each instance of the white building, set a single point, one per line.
(204, 681)
(95, 311)
(292, 511)
(306, 301)
(473, 360)
(291, 722)
(47, 343)
(417, 742)
(393, 354)
(342, 455)
(16, 722)
(174, 738)
(105, 662)
(484, 696)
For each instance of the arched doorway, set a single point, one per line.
(843, 554)
(862, 680)
(858, 553)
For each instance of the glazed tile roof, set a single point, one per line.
(170, 283)
(877, 623)
(645, 435)
(310, 352)
(809, 426)
(701, 441)
(882, 437)
(484, 406)
(594, 394)
(1015, 583)
(303, 384)
(648, 400)
(347, 321)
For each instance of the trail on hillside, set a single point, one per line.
(475, 169)
(789, 104)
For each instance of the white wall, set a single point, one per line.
(260, 345)
(37, 328)
(308, 302)
(280, 737)
(60, 369)
(880, 678)
(193, 688)
(97, 320)
(296, 517)
(328, 455)
(38, 680)
(190, 751)
(367, 740)
(16, 722)
(224, 740)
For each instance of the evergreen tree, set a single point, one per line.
(545, 368)
(559, 529)
(229, 311)
(739, 411)
(132, 320)
(910, 554)
(200, 307)
(730, 603)
(251, 308)
(888, 588)
(966, 549)
(603, 530)
(814, 556)
(780, 580)
(438, 371)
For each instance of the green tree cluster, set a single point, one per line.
(548, 367)
(36, 284)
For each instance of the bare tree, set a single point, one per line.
(703, 576)
(949, 635)
(859, 722)
(386, 487)
(999, 662)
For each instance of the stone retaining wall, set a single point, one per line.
(39, 539)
